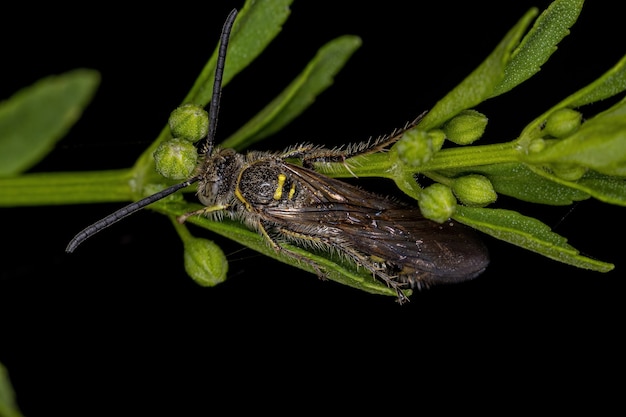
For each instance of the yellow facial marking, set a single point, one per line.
(278, 193)
(292, 190)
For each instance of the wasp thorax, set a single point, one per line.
(219, 175)
(264, 182)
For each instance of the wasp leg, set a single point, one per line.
(280, 249)
(356, 256)
(203, 211)
(378, 272)
(310, 155)
(298, 151)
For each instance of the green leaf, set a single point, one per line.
(519, 181)
(257, 24)
(482, 82)
(539, 43)
(528, 233)
(299, 95)
(611, 83)
(8, 405)
(604, 188)
(335, 268)
(36, 117)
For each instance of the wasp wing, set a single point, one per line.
(384, 230)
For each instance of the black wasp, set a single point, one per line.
(286, 202)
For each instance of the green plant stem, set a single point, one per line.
(387, 164)
(57, 188)
(469, 156)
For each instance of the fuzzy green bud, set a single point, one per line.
(563, 123)
(190, 122)
(205, 262)
(465, 127)
(437, 202)
(414, 147)
(437, 137)
(474, 190)
(176, 159)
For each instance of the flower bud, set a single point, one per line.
(437, 202)
(474, 190)
(190, 122)
(465, 127)
(414, 147)
(205, 262)
(176, 159)
(437, 137)
(563, 123)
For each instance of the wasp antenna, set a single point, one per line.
(118, 215)
(217, 82)
(207, 147)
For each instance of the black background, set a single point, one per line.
(118, 327)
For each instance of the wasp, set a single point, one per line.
(289, 202)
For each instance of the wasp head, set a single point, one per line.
(218, 177)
